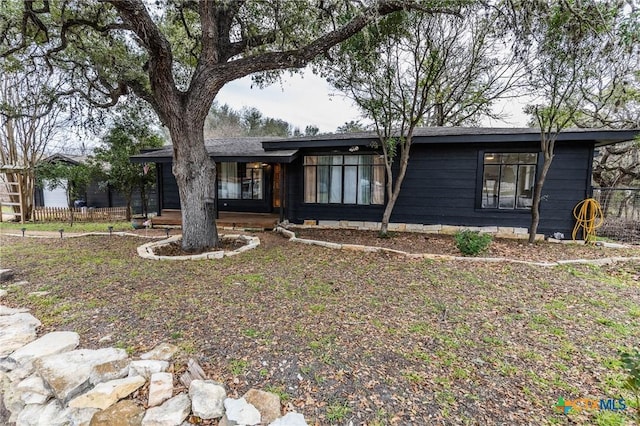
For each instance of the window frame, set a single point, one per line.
(481, 173)
(346, 170)
(241, 176)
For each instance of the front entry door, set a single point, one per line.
(277, 177)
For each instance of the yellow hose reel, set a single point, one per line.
(589, 217)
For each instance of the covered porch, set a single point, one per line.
(250, 190)
(267, 221)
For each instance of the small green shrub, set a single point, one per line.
(472, 243)
(631, 365)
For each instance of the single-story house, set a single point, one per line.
(475, 177)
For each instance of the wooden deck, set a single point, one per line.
(171, 217)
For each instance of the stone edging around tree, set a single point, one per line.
(372, 249)
(146, 250)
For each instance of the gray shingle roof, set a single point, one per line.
(247, 149)
(457, 135)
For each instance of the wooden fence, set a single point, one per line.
(82, 214)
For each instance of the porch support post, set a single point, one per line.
(282, 189)
(216, 205)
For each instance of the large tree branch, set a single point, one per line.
(299, 58)
(135, 14)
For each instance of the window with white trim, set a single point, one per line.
(508, 180)
(344, 179)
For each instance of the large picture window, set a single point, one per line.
(344, 179)
(240, 181)
(508, 180)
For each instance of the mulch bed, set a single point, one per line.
(444, 244)
(175, 248)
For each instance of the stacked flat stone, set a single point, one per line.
(48, 381)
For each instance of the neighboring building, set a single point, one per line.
(456, 176)
(57, 196)
(97, 194)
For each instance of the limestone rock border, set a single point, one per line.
(57, 384)
(291, 235)
(497, 231)
(146, 250)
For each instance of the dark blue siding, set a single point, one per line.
(442, 187)
(170, 194)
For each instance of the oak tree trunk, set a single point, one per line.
(195, 174)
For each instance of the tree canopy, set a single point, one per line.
(177, 55)
(572, 50)
(416, 70)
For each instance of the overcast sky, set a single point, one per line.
(307, 99)
(300, 100)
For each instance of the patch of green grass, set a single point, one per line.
(556, 305)
(446, 398)
(610, 418)
(605, 321)
(597, 303)
(238, 366)
(567, 351)
(93, 304)
(492, 341)
(317, 308)
(43, 301)
(338, 411)
(448, 342)
(254, 282)
(461, 373)
(278, 390)
(188, 347)
(251, 332)
(506, 369)
(420, 328)
(538, 380)
(381, 418)
(129, 349)
(318, 287)
(421, 355)
(305, 369)
(540, 319)
(413, 377)
(446, 358)
(324, 343)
